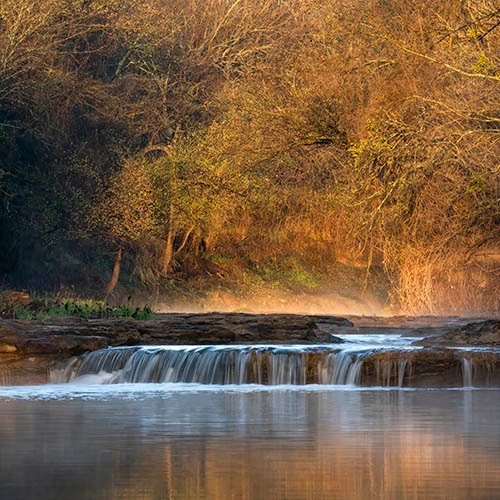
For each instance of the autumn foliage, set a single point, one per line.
(220, 138)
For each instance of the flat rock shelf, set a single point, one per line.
(254, 349)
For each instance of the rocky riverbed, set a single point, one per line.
(30, 349)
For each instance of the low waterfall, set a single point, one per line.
(467, 371)
(341, 368)
(480, 367)
(4, 376)
(327, 364)
(267, 365)
(387, 369)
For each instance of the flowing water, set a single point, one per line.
(331, 364)
(252, 422)
(270, 365)
(375, 360)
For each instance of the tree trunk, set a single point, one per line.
(185, 240)
(116, 273)
(169, 245)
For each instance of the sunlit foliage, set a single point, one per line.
(223, 138)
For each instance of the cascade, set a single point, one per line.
(467, 371)
(480, 367)
(268, 365)
(326, 364)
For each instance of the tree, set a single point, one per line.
(125, 216)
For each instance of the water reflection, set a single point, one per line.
(223, 445)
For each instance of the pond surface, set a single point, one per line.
(187, 441)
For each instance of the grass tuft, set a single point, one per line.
(47, 307)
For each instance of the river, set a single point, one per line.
(87, 440)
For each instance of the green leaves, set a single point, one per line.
(46, 307)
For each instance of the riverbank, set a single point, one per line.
(30, 350)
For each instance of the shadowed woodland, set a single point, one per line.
(171, 147)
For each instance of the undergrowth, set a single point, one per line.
(51, 307)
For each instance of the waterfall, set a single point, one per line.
(388, 369)
(326, 364)
(467, 371)
(264, 365)
(4, 376)
(341, 368)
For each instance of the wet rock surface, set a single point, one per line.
(477, 334)
(29, 350)
(431, 367)
(75, 336)
(409, 326)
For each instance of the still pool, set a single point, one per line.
(187, 441)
